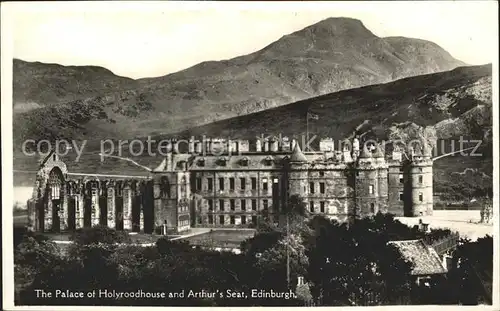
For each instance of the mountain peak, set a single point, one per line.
(339, 26)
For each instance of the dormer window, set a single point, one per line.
(201, 162)
(222, 161)
(244, 161)
(268, 160)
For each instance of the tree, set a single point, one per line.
(355, 266)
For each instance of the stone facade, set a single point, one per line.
(225, 184)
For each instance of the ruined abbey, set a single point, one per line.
(228, 188)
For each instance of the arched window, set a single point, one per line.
(55, 184)
(119, 189)
(55, 191)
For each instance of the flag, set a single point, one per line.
(312, 116)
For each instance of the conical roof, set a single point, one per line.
(297, 155)
(378, 152)
(365, 153)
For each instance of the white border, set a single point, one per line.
(7, 159)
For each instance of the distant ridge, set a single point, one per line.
(332, 55)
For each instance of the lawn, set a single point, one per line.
(221, 238)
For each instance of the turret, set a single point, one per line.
(397, 179)
(420, 200)
(298, 180)
(366, 185)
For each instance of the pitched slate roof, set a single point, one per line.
(425, 259)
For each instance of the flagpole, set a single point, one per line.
(307, 130)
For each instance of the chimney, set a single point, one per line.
(191, 145)
(198, 147)
(258, 145)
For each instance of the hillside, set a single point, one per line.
(335, 54)
(443, 106)
(38, 84)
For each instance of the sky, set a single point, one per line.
(151, 39)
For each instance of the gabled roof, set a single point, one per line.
(297, 155)
(425, 259)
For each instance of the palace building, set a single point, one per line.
(219, 183)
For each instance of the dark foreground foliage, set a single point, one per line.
(341, 264)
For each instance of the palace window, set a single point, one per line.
(210, 219)
(254, 220)
(401, 197)
(370, 189)
(321, 187)
(322, 206)
(254, 183)
(243, 220)
(311, 207)
(210, 205)
(264, 184)
(221, 205)
(201, 162)
(420, 196)
(254, 205)
(221, 220)
(264, 204)
(210, 184)
(311, 187)
(401, 178)
(231, 184)
(372, 208)
(198, 183)
(420, 179)
(243, 205)
(221, 183)
(232, 204)
(321, 174)
(243, 183)
(231, 220)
